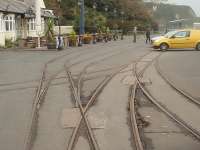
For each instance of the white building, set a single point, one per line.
(17, 19)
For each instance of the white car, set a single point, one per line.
(168, 34)
(155, 38)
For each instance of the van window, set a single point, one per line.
(182, 34)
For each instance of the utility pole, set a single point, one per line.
(82, 17)
(59, 15)
(82, 21)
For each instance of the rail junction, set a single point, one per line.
(99, 97)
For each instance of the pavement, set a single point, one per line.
(20, 73)
(182, 68)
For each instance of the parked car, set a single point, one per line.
(153, 39)
(179, 39)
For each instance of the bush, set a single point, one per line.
(9, 43)
(73, 39)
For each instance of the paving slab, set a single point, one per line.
(82, 144)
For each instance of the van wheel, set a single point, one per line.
(198, 47)
(164, 47)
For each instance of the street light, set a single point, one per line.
(82, 21)
(82, 17)
(94, 25)
(59, 1)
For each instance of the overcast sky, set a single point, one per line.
(195, 4)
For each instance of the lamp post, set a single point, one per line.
(94, 26)
(82, 21)
(59, 1)
(82, 17)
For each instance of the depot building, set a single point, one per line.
(17, 19)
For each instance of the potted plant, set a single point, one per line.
(87, 39)
(72, 39)
(51, 42)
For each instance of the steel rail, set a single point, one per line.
(32, 124)
(93, 98)
(172, 84)
(134, 124)
(39, 96)
(90, 102)
(132, 100)
(180, 122)
(75, 94)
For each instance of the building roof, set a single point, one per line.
(23, 7)
(13, 6)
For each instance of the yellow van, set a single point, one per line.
(179, 39)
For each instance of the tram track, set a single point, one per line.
(139, 145)
(133, 112)
(77, 100)
(39, 98)
(42, 90)
(93, 99)
(165, 110)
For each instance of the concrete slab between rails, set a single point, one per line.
(146, 60)
(82, 144)
(70, 118)
(146, 81)
(128, 80)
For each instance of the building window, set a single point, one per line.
(10, 23)
(1, 23)
(31, 24)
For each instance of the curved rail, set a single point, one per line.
(90, 102)
(41, 92)
(172, 84)
(134, 125)
(180, 122)
(77, 98)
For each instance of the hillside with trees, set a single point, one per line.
(115, 14)
(164, 13)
